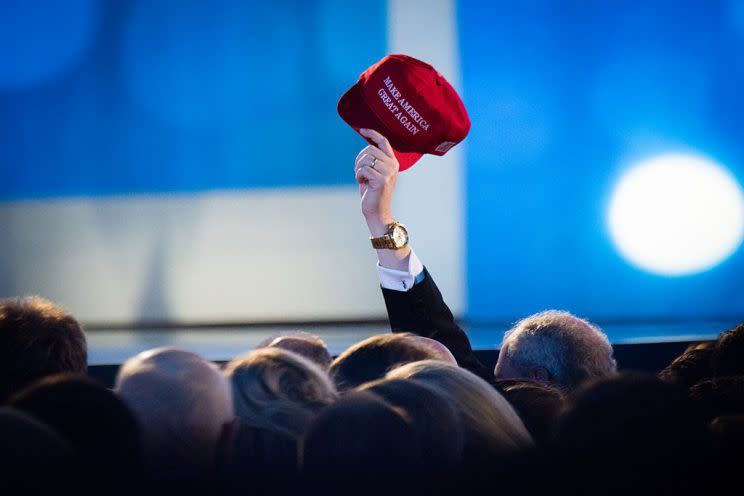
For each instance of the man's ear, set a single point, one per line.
(540, 374)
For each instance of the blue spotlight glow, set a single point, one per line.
(677, 214)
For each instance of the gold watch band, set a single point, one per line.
(386, 241)
(383, 242)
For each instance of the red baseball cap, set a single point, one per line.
(411, 104)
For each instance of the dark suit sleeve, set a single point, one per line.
(422, 311)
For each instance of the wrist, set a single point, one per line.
(378, 225)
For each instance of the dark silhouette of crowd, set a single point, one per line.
(394, 411)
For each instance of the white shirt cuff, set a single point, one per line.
(400, 280)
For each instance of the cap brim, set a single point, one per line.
(406, 159)
(357, 114)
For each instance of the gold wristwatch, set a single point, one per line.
(395, 238)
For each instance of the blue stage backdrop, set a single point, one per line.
(564, 96)
(101, 98)
(192, 99)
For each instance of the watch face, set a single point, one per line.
(400, 236)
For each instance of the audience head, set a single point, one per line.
(728, 438)
(557, 348)
(492, 427)
(637, 422)
(37, 338)
(304, 344)
(91, 417)
(728, 433)
(630, 415)
(435, 419)
(372, 358)
(33, 454)
(360, 437)
(278, 390)
(182, 403)
(538, 404)
(250, 455)
(728, 355)
(438, 350)
(692, 366)
(719, 396)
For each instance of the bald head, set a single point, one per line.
(182, 402)
(555, 347)
(438, 350)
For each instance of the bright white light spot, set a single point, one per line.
(677, 214)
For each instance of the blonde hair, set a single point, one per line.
(278, 390)
(491, 424)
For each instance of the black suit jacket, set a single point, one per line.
(421, 310)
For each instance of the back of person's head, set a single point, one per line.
(719, 396)
(633, 420)
(728, 431)
(438, 350)
(278, 390)
(253, 456)
(728, 439)
(728, 355)
(304, 344)
(33, 454)
(372, 358)
(360, 437)
(37, 338)
(434, 417)
(182, 403)
(492, 426)
(555, 347)
(96, 422)
(692, 366)
(538, 405)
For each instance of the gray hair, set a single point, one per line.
(569, 348)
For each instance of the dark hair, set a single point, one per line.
(304, 344)
(360, 436)
(728, 355)
(37, 339)
(692, 366)
(33, 455)
(258, 456)
(719, 396)
(728, 430)
(372, 358)
(537, 404)
(96, 422)
(434, 417)
(636, 421)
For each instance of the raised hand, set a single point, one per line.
(376, 170)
